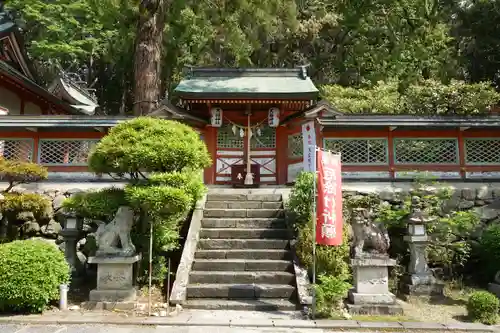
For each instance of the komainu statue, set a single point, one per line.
(369, 238)
(108, 236)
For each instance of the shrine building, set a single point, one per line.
(246, 117)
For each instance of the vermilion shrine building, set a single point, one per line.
(57, 126)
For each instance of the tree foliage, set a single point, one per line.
(351, 43)
(429, 97)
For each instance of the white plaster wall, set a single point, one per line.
(10, 101)
(32, 109)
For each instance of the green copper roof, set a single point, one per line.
(264, 83)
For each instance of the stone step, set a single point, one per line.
(243, 197)
(232, 233)
(243, 223)
(268, 213)
(244, 254)
(244, 204)
(240, 291)
(235, 265)
(261, 304)
(244, 277)
(223, 244)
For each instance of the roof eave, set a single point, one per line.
(246, 95)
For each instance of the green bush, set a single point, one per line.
(30, 274)
(330, 293)
(98, 205)
(300, 200)
(14, 203)
(489, 252)
(330, 260)
(482, 307)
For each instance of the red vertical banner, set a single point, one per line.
(329, 204)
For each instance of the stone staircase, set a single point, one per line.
(243, 260)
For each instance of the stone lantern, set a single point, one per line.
(71, 232)
(419, 280)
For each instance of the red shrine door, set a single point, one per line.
(233, 149)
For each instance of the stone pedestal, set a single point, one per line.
(370, 294)
(115, 283)
(419, 280)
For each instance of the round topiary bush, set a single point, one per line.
(30, 274)
(483, 307)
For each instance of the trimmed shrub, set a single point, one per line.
(15, 203)
(147, 144)
(30, 274)
(17, 172)
(98, 205)
(482, 307)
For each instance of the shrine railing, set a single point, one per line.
(385, 155)
(55, 153)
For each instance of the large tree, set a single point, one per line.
(148, 55)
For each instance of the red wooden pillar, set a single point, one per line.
(390, 152)
(319, 134)
(210, 135)
(281, 155)
(461, 152)
(35, 156)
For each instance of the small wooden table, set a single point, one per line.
(238, 173)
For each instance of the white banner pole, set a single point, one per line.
(314, 236)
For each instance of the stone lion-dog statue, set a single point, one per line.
(117, 231)
(369, 238)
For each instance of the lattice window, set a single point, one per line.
(425, 151)
(359, 151)
(482, 151)
(266, 139)
(295, 145)
(227, 139)
(16, 149)
(65, 152)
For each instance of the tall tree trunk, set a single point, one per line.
(147, 56)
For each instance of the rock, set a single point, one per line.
(390, 196)
(464, 204)
(484, 193)
(51, 194)
(58, 202)
(30, 228)
(49, 241)
(52, 229)
(450, 204)
(468, 194)
(62, 246)
(81, 243)
(496, 193)
(81, 258)
(46, 215)
(25, 217)
(479, 203)
(486, 214)
(73, 191)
